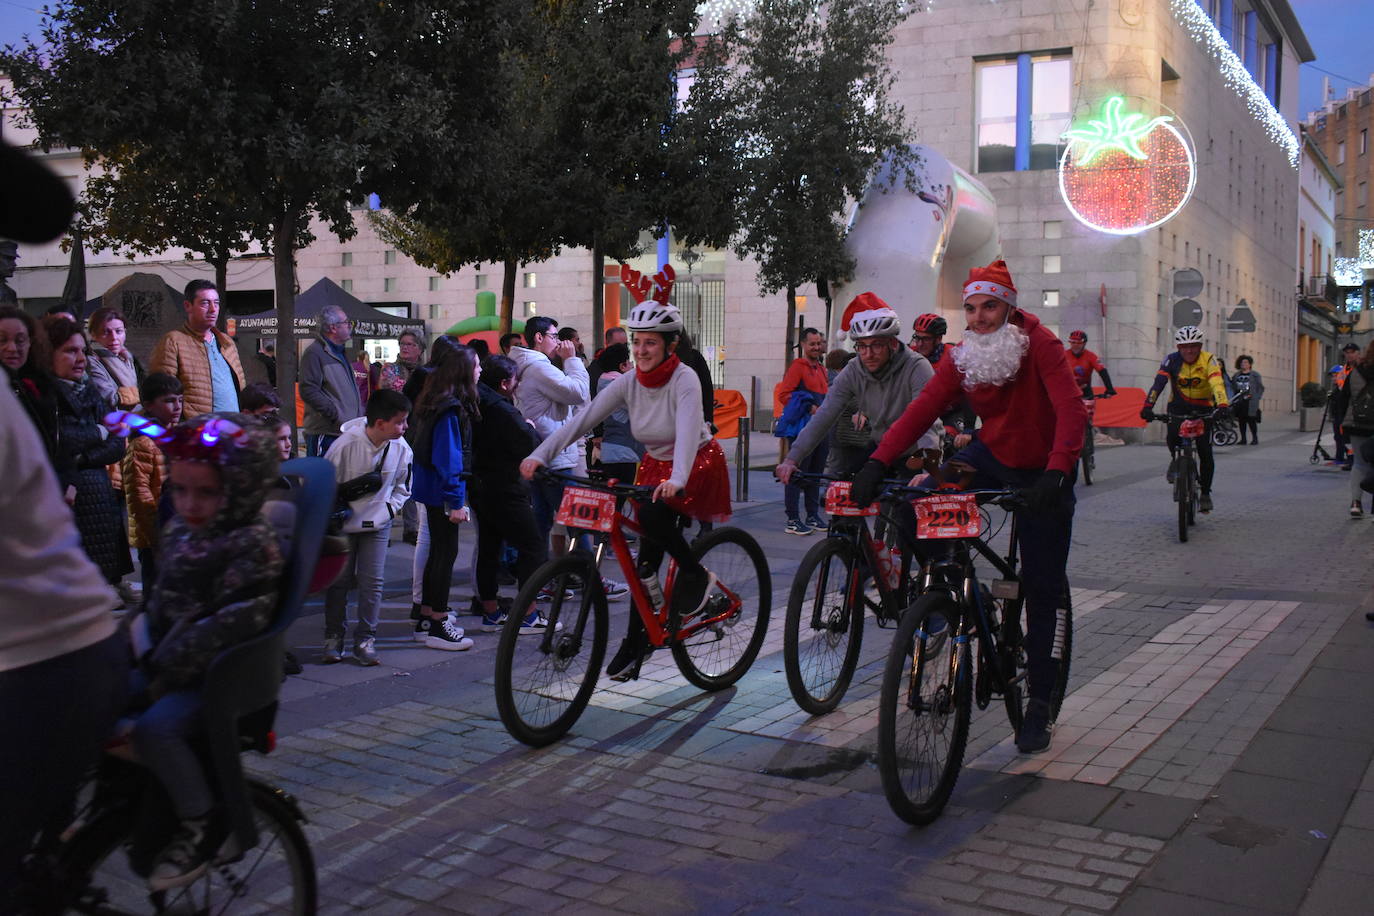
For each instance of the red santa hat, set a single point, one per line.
(864, 302)
(993, 280)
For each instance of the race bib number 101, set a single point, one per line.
(590, 510)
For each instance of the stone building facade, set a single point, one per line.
(992, 85)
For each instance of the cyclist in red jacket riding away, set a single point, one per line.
(1015, 376)
(1084, 363)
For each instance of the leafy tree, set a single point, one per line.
(274, 111)
(582, 149)
(803, 90)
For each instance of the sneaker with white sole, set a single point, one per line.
(365, 651)
(446, 635)
(189, 853)
(796, 526)
(421, 629)
(614, 589)
(816, 522)
(546, 594)
(333, 650)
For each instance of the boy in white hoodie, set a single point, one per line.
(367, 444)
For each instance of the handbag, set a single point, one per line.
(356, 488)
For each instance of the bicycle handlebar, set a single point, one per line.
(1211, 414)
(623, 489)
(898, 488)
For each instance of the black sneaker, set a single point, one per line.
(189, 853)
(1034, 735)
(815, 521)
(421, 630)
(1205, 503)
(627, 659)
(690, 591)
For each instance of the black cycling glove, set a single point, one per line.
(868, 483)
(1047, 492)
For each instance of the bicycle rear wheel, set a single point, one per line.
(275, 876)
(714, 648)
(545, 678)
(824, 627)
(1014, 661)
(924, 710)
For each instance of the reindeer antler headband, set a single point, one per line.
(639, 285)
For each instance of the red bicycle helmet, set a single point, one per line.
(1078, 337)
(930, 324)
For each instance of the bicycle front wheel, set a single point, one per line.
(547, 669)
(1183, 495)
(714, 648)
(824, 627)
(275, 876)
(924, 710)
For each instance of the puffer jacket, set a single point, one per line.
(83, 451)
(182, 353)
(217, 585)
(329, 390)
(142, 477)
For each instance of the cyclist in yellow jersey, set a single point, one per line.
(1195, 377)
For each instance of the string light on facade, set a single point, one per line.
(1351, 271)
(1122, 173)
(1202, 30)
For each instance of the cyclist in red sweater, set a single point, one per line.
(1015, 376)
(1084, 363)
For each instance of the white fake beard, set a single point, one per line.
(991, 359)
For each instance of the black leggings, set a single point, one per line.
(1203, 444)
(662, 533)
(443, 551)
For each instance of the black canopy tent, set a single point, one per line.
(365, 321)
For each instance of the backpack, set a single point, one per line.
(1360, 419)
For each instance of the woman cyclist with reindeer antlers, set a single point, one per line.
(683, 464)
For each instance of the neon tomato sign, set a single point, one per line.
(1122, 173)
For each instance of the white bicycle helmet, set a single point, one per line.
(1188, 334)
(875, 323)
(660, 317)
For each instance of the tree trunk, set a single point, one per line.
(791, 342)
(221, 266)
(508, 295)
(598, 296)
(284, 278)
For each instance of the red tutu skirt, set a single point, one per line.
(706, 497)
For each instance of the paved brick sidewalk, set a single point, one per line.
(1198, 669)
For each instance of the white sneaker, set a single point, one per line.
(447, 635)
(333, 650)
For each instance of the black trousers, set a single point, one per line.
(1206, 464)
(504, 515)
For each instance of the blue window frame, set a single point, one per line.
(1023, 107)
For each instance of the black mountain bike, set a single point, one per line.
(930, 681)
(1188, 479)
(824, 628)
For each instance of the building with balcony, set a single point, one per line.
(1321, 303)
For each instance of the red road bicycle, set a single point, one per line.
(544, 680)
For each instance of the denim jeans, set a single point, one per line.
(316, 444)
(545, 496)
(160, 737)
(813, 463)
(366, 571)
(417, 565)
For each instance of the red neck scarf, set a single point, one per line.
(658, 377)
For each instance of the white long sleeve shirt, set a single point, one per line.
(666, 420)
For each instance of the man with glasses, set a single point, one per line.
(201, 356)
(327, 383)
(877, 386)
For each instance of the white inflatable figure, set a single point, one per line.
(915, 249)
